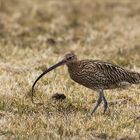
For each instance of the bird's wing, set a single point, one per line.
(107, 72)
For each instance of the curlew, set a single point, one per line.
(96, 75)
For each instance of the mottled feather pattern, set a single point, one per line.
(97, 74)
(136, 77)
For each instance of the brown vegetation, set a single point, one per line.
(36, 34)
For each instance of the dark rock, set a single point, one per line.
(58, 96)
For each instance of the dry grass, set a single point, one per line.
(35, 35)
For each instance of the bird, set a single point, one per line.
(97, 75)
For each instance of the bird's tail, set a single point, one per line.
(135, 77)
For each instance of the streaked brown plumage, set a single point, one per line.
(96, 75)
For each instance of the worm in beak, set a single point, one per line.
(62, 62)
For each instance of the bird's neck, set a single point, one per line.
(72, 66)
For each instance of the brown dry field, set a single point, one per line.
(34, 34)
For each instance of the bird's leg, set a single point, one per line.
(105, 103)
(98, 101)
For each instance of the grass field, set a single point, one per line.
(35, 35)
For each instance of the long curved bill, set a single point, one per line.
(45, 72)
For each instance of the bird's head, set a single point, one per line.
(68, 58)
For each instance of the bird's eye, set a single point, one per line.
(70, 57)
